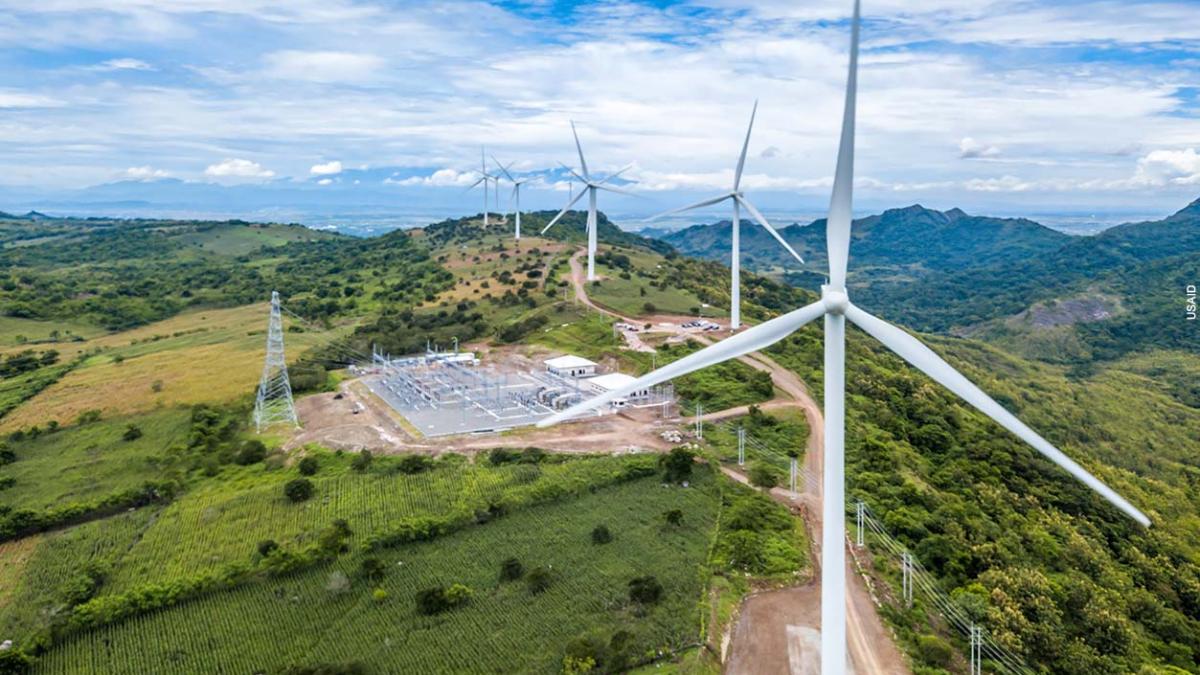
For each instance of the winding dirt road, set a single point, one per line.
(779, 631)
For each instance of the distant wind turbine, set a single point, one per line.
(591, 187)
(835, 307)
(516, 193)
(485, 178)
(738, 200)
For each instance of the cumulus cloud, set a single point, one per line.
(325, 181)
(969, 148)
(1002, 184)
(322, 66)
(123, 64)
(439, 178)
(20, 99)
(238, 168)
(1168, 167)
(327, 169)
(143, 173)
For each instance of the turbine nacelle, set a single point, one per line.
(834, 300)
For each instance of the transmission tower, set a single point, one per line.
(274, 402)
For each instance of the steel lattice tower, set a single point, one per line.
(274, 402)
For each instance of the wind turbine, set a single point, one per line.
(835, 307)
(591, 187)
(738, 200)
(485, 177)
(516, 193)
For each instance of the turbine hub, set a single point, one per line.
(835, 300)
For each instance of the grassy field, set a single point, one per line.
(205, 356)
(503, 627)
(90, 461)
(626, 295)
(245, 240)
(36, 334)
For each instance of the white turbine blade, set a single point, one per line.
(837, 228)
(924, 358)
(615, 175)
(503, 169)
(617, 190)
(582, 161)
(737, 176)
(581, 179)
(759, 337)
(564, 211)
(689, 207)
(475, 184)
(763, 221)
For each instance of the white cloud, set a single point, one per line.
(143, 173)
(1002, 184)
(327, 169)
(969, 148)
(238, 168)
(20, 99)
(439, 178)
(322, 66)
(123, 64)
(325, 181)
(1168, 167)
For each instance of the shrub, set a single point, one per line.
(88, 417)
(308, 466)
(373, 569)
(645, 590)
(15, 662)
(584, 654)
(511, 570)
(362, 461)
(677, 465)
(251, 452)
(414, 464)
(649, 308)
(327, 669)
(674, 517)
(7, 456)
(379, 595)
(132, 433)
(437, 600)
(339, 583)
(298, 490)
(332, 539)
(601, 535)
(538, 580)
(763, 475)
(266, 546)
(934, 650)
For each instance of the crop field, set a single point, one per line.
(90, 461)
(222, 521)
(306, 619)
(36, 571)
(204, 356)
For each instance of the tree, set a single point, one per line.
(645, 590)
(763, 475)
(266, 546)
(414, 464)
(362, 461)
(14, 662)
(252, 452)
(677, 465)
(538, 580)
(373, 569)
(332, 539)
(308, 466)
(132, 432)
(601, 535)
(674, 517)
(511, 570)
(298, 490)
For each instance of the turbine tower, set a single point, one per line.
(485, 178)
(835, 307)
(738, 200)
(274, 400)
(516, 193)
(591, 187)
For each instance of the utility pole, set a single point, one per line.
(976, 650)
(859, 513)
(795, 470)
(906, 573)
(741, 446)
(699, 423)
(273, 402)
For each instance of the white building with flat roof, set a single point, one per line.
(602, 384)
(570, 366)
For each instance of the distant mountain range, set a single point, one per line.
(1012, 280)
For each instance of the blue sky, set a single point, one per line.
(993, 106)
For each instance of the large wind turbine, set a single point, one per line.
(516, 193)
(485, 178)
(835, 307)
(738, 200)
(591, 187)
